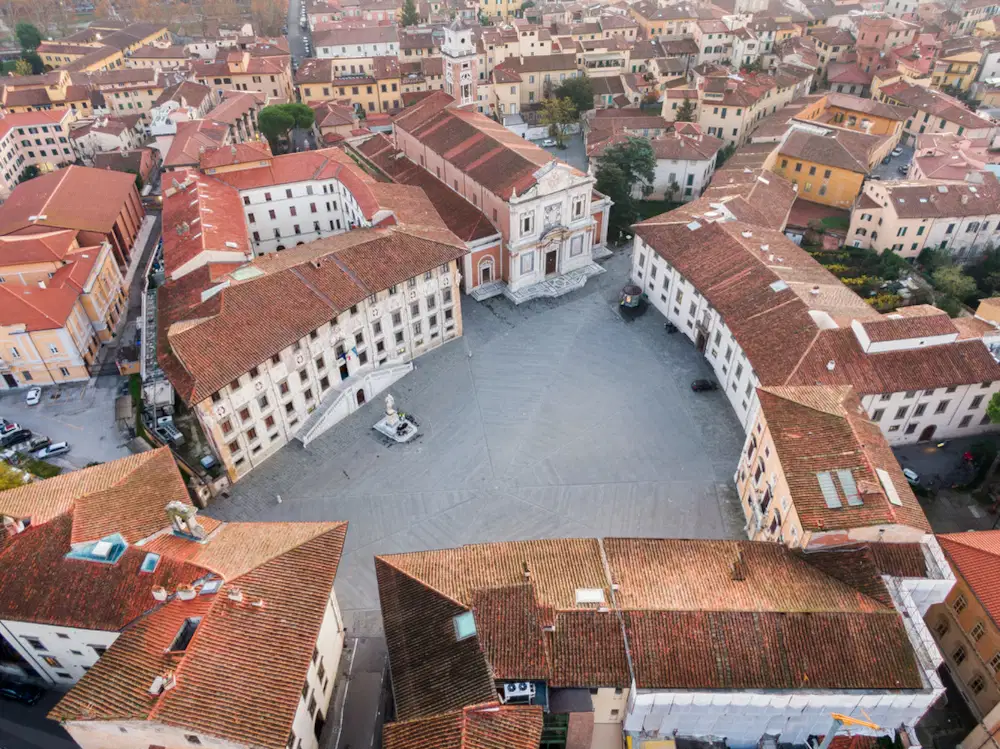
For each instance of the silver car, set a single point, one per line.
(56, 448)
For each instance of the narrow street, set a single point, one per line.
(296, 35)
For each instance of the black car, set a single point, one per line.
(25, 693)
(701, 386)
(15, 438)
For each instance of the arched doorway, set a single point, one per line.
(280, 247)
(485, 271)
(361, 397)
(928, 433)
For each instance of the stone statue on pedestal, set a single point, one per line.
(391, 417)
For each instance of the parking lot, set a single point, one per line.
(573, 154)
(891, 170)
(82, 414)
(557, 418)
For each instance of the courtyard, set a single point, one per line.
(557, 418)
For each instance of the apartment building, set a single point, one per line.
(730, 107)
(98, 48)
(367, 303)
(630, 640)
(39, 138)
(966, 627)
(130, 609)
(714, 40)
(539, 75)
(91, 137)
(919, 375)
(131, 91)
(829, 165)
(833, 45)
(357, 42)
(60, 302)
(55, 89)
(935, 112)
(885, 33)
(959, 216)
(62, 200)
(974, 11)
(378, 89)
(156, 56)
(957, 64)
(551, 220)
(672, 20)
(251, 69)
(300, 197)
(795, 490)
(855, 113)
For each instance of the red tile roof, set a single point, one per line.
(825, 617)
(65, 199)
(464, 220)
(975, 555)
(487, 726)
(326, 277)
(817, 429)
(484, 150)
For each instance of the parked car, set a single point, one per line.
(912, 476)
(548, 143)
(897, 151)
(33, 397)
(56, 448)
(27, 694)
(701, 386)
(8, 426)
(37, 443)
(902, 170)
(875, 177)
(15, 438)
(887, 159)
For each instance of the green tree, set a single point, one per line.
(953, 282)
(724, 155)
(557, 114)
(993, 408)
(10, 477)
(35, 60)
(30, 172)
(625, 174)
(411, 17)
(22, 67)
(278, 120)
(579, 90)
(686, 111)
(28, 36)
(932, 258)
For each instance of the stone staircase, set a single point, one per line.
(556, 286)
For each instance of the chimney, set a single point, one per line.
(185, 592)
(814, 291)
(738, 568)
(160, 593)
(526, 570)
(41, 284)
(965, 201)
(235, 594)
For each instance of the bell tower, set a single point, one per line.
(461, 74)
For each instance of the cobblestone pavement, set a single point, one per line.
(556, 418)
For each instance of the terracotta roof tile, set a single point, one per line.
(834, 434)
(487, 726)
(976, 557)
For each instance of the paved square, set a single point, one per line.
(553, 419)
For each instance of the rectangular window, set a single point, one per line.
(960, 604)
(978, 631)
(901, 412)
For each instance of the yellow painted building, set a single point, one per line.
(834, 180)
(58, 303)
(965, 625)
(957, 71)
(858, 114)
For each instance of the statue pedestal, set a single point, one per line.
(397, 429)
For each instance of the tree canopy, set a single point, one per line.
(411, 17)
(557, 113)
(685, 112)
(278, 120)
(22, 67)
(578, 90)
(993, 408)
(952, 281)
(625, 174)
(10, 477)
(28, 36)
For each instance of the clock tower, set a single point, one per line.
(461, 72)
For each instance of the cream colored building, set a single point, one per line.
(961, 217)
(59, 302)
(39, 139)
(793, 490)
